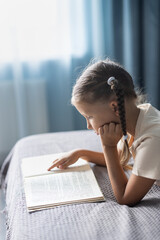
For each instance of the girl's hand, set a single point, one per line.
(110, 134)
(66, 160)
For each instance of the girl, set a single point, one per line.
(105, 96)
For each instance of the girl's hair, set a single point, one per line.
(92, 86)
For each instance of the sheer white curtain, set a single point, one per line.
(38, 40)
(38, 30)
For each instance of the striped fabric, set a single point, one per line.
(103, 220)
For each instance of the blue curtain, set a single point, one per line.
(44, 46)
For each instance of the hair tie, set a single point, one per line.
(125, 137)
(112, 81)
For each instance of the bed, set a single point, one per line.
(99, 220)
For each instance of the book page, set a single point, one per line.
(66, 187)
(35, 166)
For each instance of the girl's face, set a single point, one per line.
(98, 113)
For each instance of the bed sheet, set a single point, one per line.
(96, 221)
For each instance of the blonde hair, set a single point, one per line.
(92, 86)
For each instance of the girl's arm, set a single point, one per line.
(128, 192)
(72, 156)
(92, 156)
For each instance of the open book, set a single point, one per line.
(46, 189)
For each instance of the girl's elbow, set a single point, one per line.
(127, 203)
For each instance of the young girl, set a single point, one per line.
(105, 96)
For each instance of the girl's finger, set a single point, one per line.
(55, 164)
(100, 131)
(64, 165)
(118, 128)
(106, 127)
(112, 127)
(52, 166)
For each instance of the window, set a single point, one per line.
(41, 29)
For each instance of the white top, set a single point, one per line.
(146, 146)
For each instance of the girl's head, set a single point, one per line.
(92, 92)
(101, 103)
(92, 85)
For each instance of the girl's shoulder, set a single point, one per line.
(148, 123)
(146, 154)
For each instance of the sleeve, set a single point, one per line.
(147, 158)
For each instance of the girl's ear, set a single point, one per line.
(114, 107)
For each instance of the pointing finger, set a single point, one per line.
(56, 163)
(52, 166)
(100, 131)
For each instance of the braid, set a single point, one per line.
(121, 109)
(120, 100)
